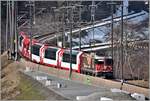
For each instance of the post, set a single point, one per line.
(30, 14)
(80, 12)
(122, 78)
(7, 26)
(71, 22)
(112, 33)
(53, 9)
(93, 6)
(16, 31)
(93, 17)
(63, 30)
(13, 41)
(80, 31)
(122, 42)
(10, 33)
(34, 12)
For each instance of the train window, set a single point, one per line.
(108, 61)
(50, 53)
(74, 59)
(99, 62)
(66, 58)
(20, 41)
(36, 49)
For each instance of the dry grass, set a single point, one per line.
(141, 83)
(13, 84)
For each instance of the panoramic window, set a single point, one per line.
(50, 53)
(36, 50)
(66, 58)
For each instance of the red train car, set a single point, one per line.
(60, 58)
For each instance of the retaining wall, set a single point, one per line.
(85, 78)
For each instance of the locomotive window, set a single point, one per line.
(66, 58)
(50, 53)
(36, 49)
(99, 62)
(108, 62)
(20, 41)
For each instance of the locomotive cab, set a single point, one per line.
(103, 65)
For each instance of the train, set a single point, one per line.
(56, 57)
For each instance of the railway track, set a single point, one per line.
(42, 37)
(131, 43)
(125, 82)
(104, 22)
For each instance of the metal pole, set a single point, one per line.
(10, 42)
(10, 23)
(34, 12)
(16, 30)
(64, 40)
(53, 9)
(0, 28)
(93, 17)
(71, 22)
(93, 6)
(80, 6)
(122, 45)
(63, 27)
(7, 19)
(112, 34)
(30, 12)
(13, 41)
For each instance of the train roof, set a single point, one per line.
(74, 52)
(102, 57)
(52, 47)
